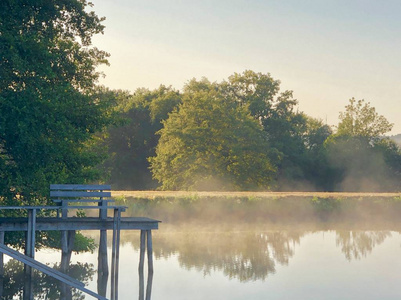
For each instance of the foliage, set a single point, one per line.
(130, 144)
(50, 239)
(256, 90)
(362, 120)
(315, 166)
(49, 109)
(360, 158)
(294, 137)
(45, 287)
(210, 142)
(326, 206)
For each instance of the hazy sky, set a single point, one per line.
(326, 51)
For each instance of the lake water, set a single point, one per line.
(254, 260)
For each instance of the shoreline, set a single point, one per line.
(218, 194)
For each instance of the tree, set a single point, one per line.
(210, 142)
(289, 131)
(256, 90)
(362, 120)
(360, 157)
(49, 108)
(315, 166)
(133, 142)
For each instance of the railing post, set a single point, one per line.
(115, 253)
(103, 268)
(30, 241)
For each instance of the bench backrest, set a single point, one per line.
(75, 193)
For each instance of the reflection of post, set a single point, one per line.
(67, 244)
(28, 286)
(115, 254)
(141, 264)
(150, 254)
(70, 245)
(149, 285)
(64, 239)
(1, 265)
(145, 235)
(29, 251)
(150, 265)
(117, 257)
(64, 264)
(103, 268)
(68, 239)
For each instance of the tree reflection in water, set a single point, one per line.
(251, 255)
(45, 287)
(246, 256)
(357, 244)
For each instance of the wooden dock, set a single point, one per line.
(68, 225)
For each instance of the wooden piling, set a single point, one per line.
(115, 256)
(67, 245)
(2, 234)
(1, 266)
(30, 252)
(117, 213)
(150, 251)
(141, 264)
(103, 268)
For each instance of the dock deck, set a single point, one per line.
(75, 223)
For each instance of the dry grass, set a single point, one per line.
(153, 194)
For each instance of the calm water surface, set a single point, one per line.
(261, 264)
(255, 261)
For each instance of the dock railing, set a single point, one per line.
(29, 258)
(76, 197)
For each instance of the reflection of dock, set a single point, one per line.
(48, 220)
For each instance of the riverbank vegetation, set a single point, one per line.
(243, 133)
(207, 208)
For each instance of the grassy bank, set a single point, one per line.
(188, 194)
(250, 207)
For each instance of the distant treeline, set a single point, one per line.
(244, 134)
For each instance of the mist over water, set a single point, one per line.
(254, 248)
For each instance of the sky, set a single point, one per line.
(325, 51)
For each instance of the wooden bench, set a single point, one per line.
(65, 194)
(69, 196)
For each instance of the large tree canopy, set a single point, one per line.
(210, 142)
(296, 138)
(49, 108)
(361, 120)
(131, 144)
(360, 156)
